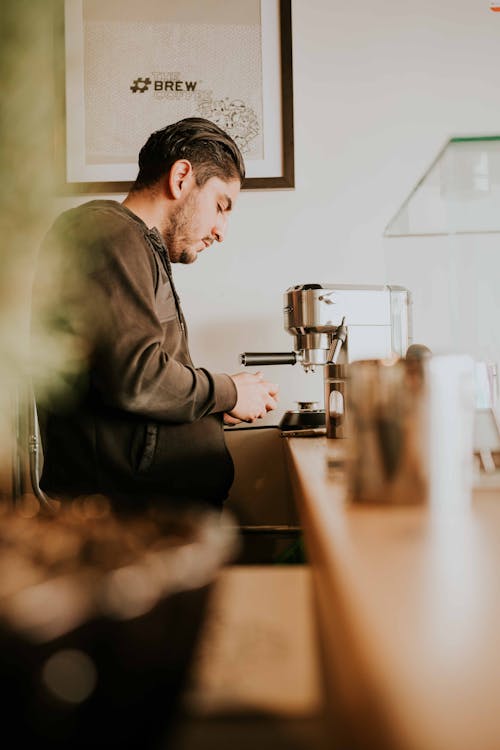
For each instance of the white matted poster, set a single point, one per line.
(131, 68)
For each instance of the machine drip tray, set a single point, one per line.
(303, 418)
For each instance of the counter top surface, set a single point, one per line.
(417, 592)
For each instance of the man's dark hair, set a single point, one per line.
(211, 151)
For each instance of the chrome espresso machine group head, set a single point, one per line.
(337, 324)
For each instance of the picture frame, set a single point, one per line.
(236, 71)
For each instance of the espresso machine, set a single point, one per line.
(333, 325)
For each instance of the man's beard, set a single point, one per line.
(176, 234)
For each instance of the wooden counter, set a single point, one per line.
(408, 600)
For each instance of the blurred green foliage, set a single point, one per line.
(30, 56)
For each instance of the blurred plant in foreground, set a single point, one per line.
(28, 119)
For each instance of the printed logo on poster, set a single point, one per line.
(140, 85)
(165, 86)
(233, 115)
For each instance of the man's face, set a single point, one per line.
(199, 219)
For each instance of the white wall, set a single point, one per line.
(378, 88)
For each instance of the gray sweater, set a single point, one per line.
(141, 421)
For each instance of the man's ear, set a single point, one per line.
(180, 178)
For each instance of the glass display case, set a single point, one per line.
(443, 245)
(459, 193)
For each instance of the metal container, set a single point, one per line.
(336, 380)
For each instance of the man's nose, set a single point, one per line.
(219, 230)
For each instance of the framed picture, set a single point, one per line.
(132, 67)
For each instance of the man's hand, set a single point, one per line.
(231, 421)
(256, 397)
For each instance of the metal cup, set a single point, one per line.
(388, 420)
(336, 379)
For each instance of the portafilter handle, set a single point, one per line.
(253, 359)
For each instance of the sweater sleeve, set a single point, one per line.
(138, 363)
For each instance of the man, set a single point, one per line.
(142, 422)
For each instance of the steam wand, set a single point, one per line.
(338, 339)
